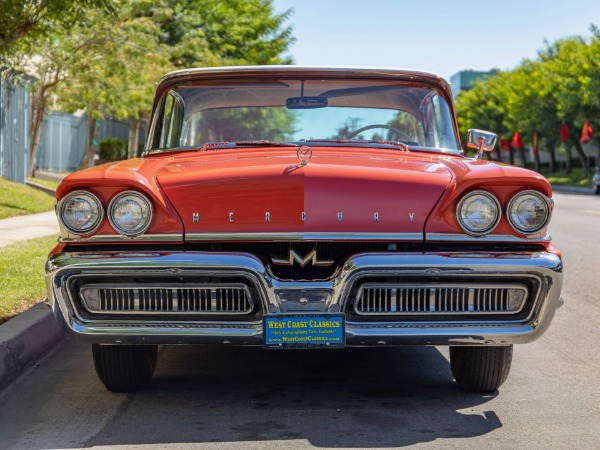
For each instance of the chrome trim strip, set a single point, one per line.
(452, 237)
(120, 238)
(300, 236)
(545, 267)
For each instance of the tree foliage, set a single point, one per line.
(214, 32)
(560, 86)
(104, 56)
(30, 20)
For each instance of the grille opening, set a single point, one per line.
(440, 299)
(414, 298)
(224, 299)
(156, 297)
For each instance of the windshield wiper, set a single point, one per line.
(400, 144)
(263, 143)
(260, 143)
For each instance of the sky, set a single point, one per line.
(432, 35)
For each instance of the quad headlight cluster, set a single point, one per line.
(129, 213)
(479, 212)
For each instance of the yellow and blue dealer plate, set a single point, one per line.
(288, 331)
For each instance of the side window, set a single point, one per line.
(171, 121)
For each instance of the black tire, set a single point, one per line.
(481, 369)
(124, 368)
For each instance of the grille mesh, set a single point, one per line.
(444, 299)
(227, 299)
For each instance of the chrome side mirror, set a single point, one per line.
(482, 141)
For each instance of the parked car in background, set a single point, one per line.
(305, 208)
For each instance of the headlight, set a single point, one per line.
(80, 212)
(478, 213)
(529, 211)
(130, 213)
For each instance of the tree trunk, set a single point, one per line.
(134, 136)
(552, 152)
(499, 154)
(511, 156)
(538, 164)
(569, 160)
(522, 156)
(585, 163)
(36, 117)
(89, 151)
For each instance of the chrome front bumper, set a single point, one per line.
(545, 268)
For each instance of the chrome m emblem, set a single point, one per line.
(310, 257)
(304, 154)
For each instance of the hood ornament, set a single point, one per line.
(304, 154)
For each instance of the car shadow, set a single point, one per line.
(359, 397)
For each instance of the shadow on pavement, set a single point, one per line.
(352, 398)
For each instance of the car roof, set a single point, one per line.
(186, 75)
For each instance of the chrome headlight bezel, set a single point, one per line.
(144, 201)
(94, 201)
(544, 200)
(492, 226)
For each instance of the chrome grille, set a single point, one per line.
(399, 299)
(213, 299)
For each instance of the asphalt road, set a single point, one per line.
(249, 398)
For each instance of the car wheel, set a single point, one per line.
(124, 368)
(480, 369)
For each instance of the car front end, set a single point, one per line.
(244, 224)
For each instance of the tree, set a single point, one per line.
(561, 86)
(111, 57)
(204, 33)
(114, 77)
(485, 106)
(33, 19)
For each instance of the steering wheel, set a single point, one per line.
(387, 127)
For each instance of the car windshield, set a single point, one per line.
(294, 110)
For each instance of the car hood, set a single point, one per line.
(339, 190)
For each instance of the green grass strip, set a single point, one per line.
(22, 275)
(18, 199)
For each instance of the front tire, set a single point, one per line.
(480, 369)
(124, 368)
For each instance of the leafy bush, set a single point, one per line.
(112, 149)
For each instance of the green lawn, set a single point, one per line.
(18, 199)
(573, 179)
(47, 183)
(22, 275)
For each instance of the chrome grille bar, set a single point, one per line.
(440, 299)
(177, 299)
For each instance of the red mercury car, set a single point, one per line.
(305, 208)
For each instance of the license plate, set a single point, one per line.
(288, 331)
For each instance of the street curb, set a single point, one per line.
(24, 339)
(573, 190)
(40, 187)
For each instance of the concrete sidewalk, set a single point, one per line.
(22, 228)
(26, 337)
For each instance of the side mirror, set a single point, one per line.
(481, 140)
